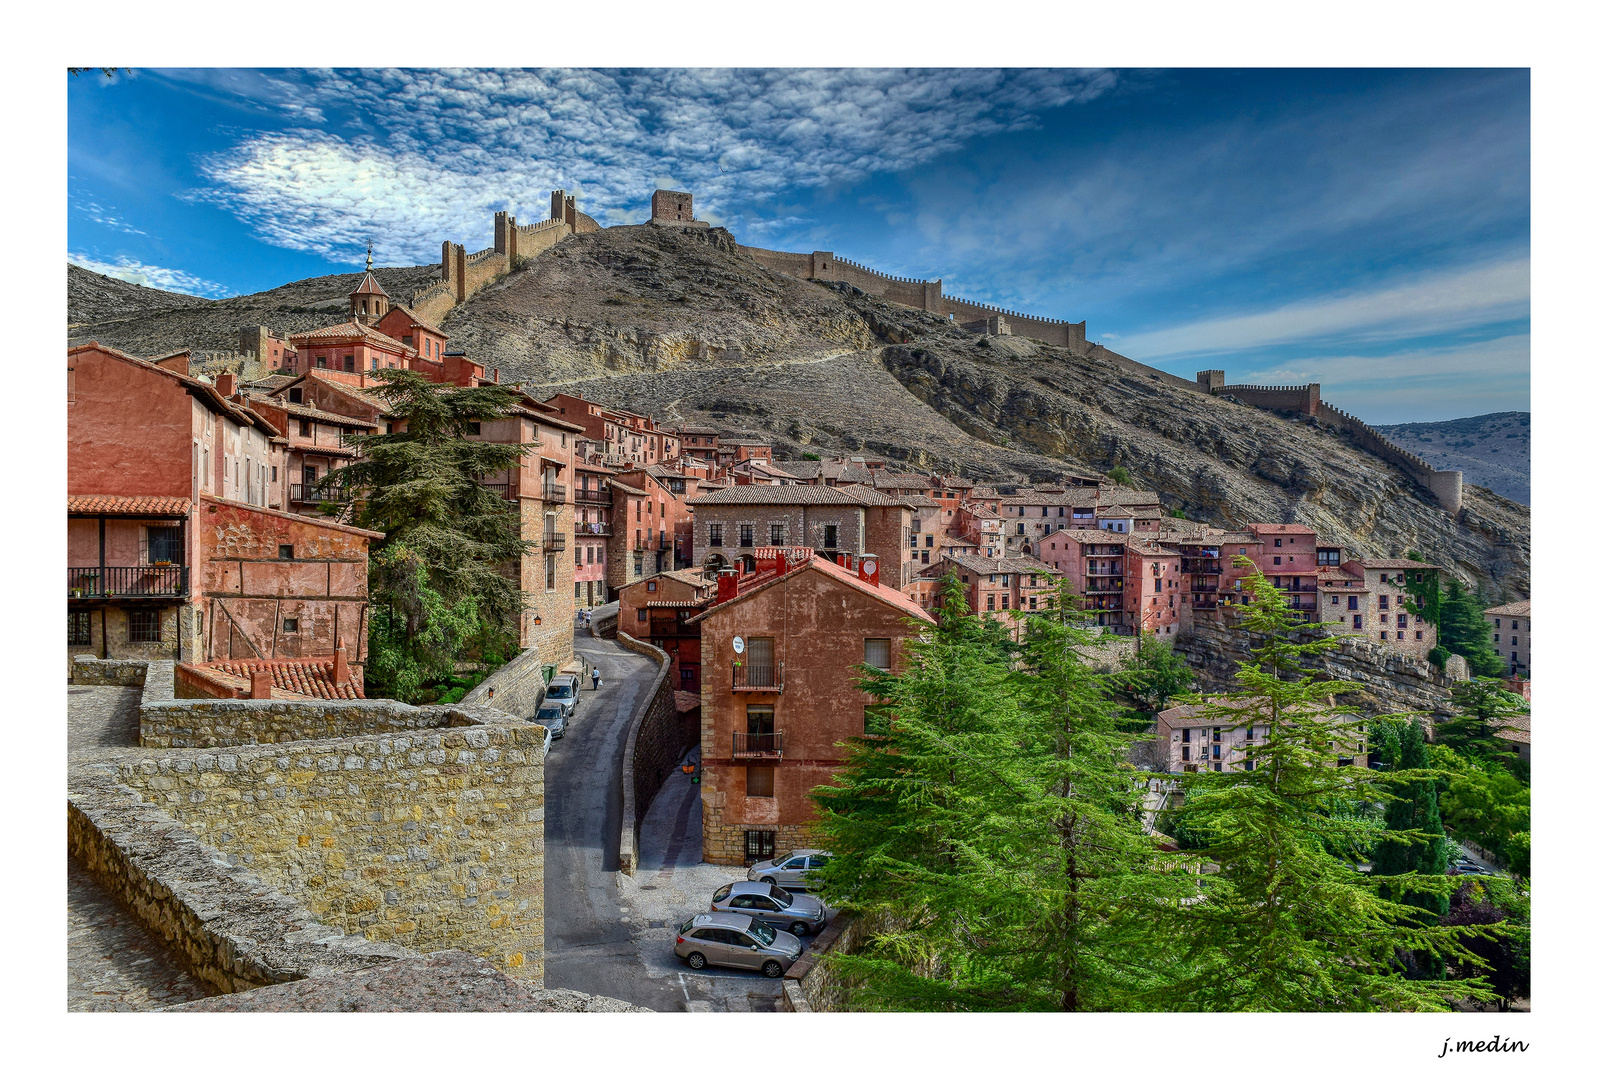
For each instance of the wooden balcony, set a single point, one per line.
(127, 582)
(554, 542)
(591, 528)
(316, 494)
(591, 498)
(766, 745)
(757, 678)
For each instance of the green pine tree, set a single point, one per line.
(992, 834)
(1286, 922)
(1414, 842)
(1480, 708)
(439, 587)
(1463, 629)
(1155, 674)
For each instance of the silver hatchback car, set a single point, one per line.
(737, 941)
(771, 904)
(792, 870)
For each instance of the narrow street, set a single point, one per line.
(604, 932)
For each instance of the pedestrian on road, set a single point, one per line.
(595, 673)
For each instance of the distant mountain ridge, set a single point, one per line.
(1493, 449)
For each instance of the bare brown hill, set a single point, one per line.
(677, 323)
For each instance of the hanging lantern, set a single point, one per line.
(538, 620)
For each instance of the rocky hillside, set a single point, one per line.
(1494, 450)
(676, 323)
(149, 322)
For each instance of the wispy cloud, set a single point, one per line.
(108, 218)
(1437, 303)
(155, 277)
(427, 154)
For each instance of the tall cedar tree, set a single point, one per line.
(1414, 842)
(439, 584)
(1286, 922)
(1155, 674)
(1481, 707)
(1464, 630)
(991, 834)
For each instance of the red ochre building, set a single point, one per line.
(780, 650)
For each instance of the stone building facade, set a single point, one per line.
(1512, 639)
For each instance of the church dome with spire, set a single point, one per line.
(368, 303)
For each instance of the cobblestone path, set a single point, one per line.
(113, 963)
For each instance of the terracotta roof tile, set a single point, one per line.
(296, 678)
(1520, 609)
(790, 495)
(143, 505)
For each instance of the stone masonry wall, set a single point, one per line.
(430, 839)
(89, 671)
(656, 741)
(226, 722)
(517, 688)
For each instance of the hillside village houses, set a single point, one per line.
(222, 541)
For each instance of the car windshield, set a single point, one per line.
(782, 896)
(685, 927)
(721, 894)
(785, 858)
(549, 712)
(761, 932)
(560, 692)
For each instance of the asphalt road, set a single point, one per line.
(606, 933)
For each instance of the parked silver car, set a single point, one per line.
(737, 941)
(771, 904)
(791, 870)
(564, 690)
(553, 717)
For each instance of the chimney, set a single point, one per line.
(867, 569)
(260, 683)
(727, 586)
(496, 376)
(227, 384)
(178, 362)
(341, 666)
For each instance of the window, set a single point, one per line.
(760, 844)
(1383, 618)
(1359, 620)
(1400, 635)
(321, 361)
(878, 719)
(349, 363)
(80, 628)
(1403, 621)
(746, 536)
(715, 534)
(1417, 635)
(1004, 601)
(1381, 602)
(759, 783)
(990, 601)
(166, 544)
(1353, 605)
(1384, 635)
(1215, 766)
(1515, 640)
(1187, 734)
(1276, 560)
(1033, 604)
(1514, 624)
(760, 661)
(144, 626)
(1278, 541)
(1384, 579)
(1186, 750)
(1498, 623)
(830, 536)
(285, 551)
(877, 653)
(776, 536)
(643, 616)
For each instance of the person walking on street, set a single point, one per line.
(595, 674)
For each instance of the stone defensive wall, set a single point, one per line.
(1067, 335)
(656, 741)
(1448, 485)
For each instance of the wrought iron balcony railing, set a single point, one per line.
(316, 494)
(554, 542)
(763, 745)
(591, 528)
(760, 677)
(94, 582)
(554, 492)
(591, 498)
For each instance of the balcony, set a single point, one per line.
(554, 492)
(764, 745)
(1105, 585)
(1201, 566)
(592, 498)
(316, 494)
(554, 542)
(502, 490)
(1197, 588)
(141, 582)
(757, 678)
(591, 528)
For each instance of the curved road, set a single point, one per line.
(587, 946)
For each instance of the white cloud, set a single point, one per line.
(101, 216)
(155, 277)
(1432, 304)
(439, 149)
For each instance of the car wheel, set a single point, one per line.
(769, 880)
(799, 928)
(696, 961)
(772, 970)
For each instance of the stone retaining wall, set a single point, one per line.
(516, 688)
(432, 839)
(812, 984)
(224, 722)
(222, 922)
(655, 742)
(91, 671)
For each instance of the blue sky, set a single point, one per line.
(1369, 230)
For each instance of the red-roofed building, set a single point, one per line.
(780, 649)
